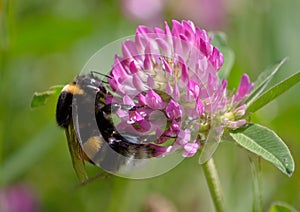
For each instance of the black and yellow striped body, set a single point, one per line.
(81, 108)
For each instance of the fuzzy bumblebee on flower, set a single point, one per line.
(166, 94)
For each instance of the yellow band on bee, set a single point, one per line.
(73, 89)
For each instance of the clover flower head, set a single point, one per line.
(174, 71)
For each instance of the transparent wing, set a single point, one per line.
(76, 153)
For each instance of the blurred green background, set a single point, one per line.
(45, 43)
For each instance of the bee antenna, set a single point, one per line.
(105, 75)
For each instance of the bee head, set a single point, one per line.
(90, 84)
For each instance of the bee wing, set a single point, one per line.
(76, 153)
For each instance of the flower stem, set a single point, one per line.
(256, 183)
(213, 182)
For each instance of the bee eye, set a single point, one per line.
(87, 81)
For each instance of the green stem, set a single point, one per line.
(260, 183)
(213, 182)
(256, 184)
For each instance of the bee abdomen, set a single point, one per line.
(64, 109)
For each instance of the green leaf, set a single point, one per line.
(282, 207)
(273, 92)
(265, 143)
(263, 80)
(40, 98)
(220, 42)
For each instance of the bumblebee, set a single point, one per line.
(82, 111)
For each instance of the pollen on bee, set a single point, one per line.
(73, 89)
